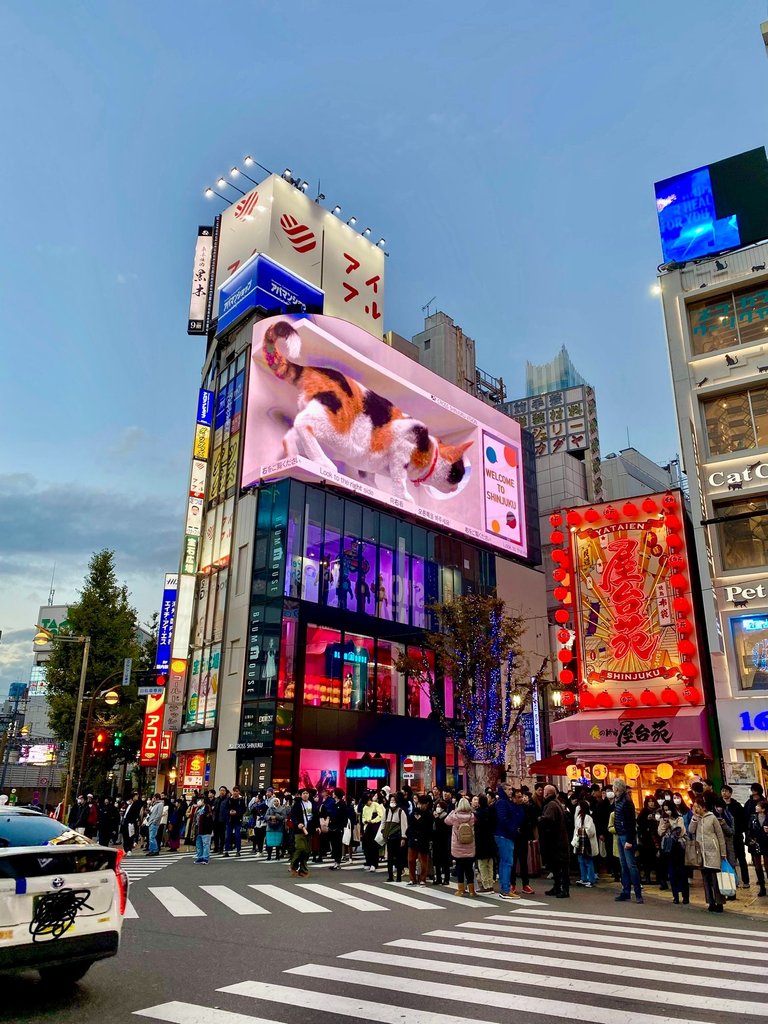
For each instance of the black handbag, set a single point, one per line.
(583, 845)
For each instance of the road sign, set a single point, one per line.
(127, 666)
(43, 782)
(407, 776)
(151, 691)
(407, 766)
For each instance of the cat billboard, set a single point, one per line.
(329, 402)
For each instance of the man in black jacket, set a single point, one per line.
(235, 809)
(740, 822)
(625, 822)
(553, 836)
(219, 820)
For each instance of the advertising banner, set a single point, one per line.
(165, 624)
(280, 222)
(153, 728)
(262, 284)
(185, 600)
(174, 696)
(201, 281)
(327, 401)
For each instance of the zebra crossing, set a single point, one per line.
(478, 971)
(137, 868)
(259, 898)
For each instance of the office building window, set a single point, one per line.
(743, 541)
(737, 422)
(750, 642)
(736, 318)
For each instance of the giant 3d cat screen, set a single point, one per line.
(328, 401)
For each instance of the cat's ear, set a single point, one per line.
(453, 452)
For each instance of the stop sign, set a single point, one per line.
(407, 764)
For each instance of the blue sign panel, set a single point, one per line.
(688, 221)
(165, 624)
(529, 731)
(263, 284)
(205, 407)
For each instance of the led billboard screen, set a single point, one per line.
(328, 401)
(710, 209)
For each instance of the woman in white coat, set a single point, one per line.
(585, 843)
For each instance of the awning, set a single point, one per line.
(641, 735)
(554, 765)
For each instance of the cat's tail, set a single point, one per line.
(282, 345)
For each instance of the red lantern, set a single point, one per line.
(568, 698)
(649, 698)
(692, 694)
(591, 515)
(678, 581)
(676, 562)
(689, 670)
(573, 518)
(566, 677)
(559, 575)
(556, 537)
(611, 513)
(682, 605)
(558, 555)
(674, 543)
(563, 635)
(628, 699)
(561, 615)
(686, 647)
(564, 657)
(684, 627)
(669, 501)
(672, 522)
(669, 696)
(649, 505)
(561, 593)
(587, 700)
(604, 700)
(555, 519)
(629, 509)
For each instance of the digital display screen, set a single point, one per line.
(714, 208)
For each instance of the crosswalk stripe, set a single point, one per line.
(621, 940)
(355, 902)
(634, 922)
(175, 902)
(566, 964)
(395, 897)
(233, 900)
(291, 899)
(669, 933)
(616, 990)
(188, 1013)
(130, 910)
(609, 951)
(362, 1009)
(463, 901)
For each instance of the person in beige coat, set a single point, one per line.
(706, 830)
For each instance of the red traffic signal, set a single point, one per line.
(100, 741)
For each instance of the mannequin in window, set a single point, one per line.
(270, 669)
(382, 601)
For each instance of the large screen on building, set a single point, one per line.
(328, 401)
(721, 206)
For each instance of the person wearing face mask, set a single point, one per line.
(394, 828)
(203, 831)
(626, 833)
(338, 819)
(757, 843)
(740, 822)
(672, 836)
(441, 843)
(706, 830)
(608, 835)
(649, 843)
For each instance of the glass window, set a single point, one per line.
(729, 424)
(313, 568)
(286, 681)
(294, 556)
(713, 324)
(323, 667)
(417, 690)
(752, 315)
(743, 542)
(750, 642)
(758, 399)
(335, 581)
(401, 590)
(389, 682)
(358, 672)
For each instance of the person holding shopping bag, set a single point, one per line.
(707, 832)
(584, 843)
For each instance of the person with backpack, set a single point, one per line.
(395, 830)
(462, 824)
(672, 837)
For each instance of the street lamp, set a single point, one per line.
(111, 697)
(41, 639)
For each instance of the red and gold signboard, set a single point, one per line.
(153, 729)
(623, 584)
(194, 770)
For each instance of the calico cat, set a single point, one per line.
(341, 419)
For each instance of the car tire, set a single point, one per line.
(65, 974)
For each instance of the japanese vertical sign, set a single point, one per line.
(153, 729)
(201, 281)
(165, 625)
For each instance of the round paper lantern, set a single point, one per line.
(573, 772)
(591, 515)
(649, 505)
(684, 627)
(649, 698)
(676, 562)
(558, 555)
(682, 605)
(568, 698)
(564, 657)
(587, 700)
(559, 574)
(566, 677)
(599, 771)
(692, 694)
(556, 537)
(686, 647)
(669, 501)
(629, 509)
(561, 593)
(555, 519)
(628, 699)
(669, 696)
(573, 518)
(664, 770)
(604, 700)
(561, 615)
(678, 581)
(689, 670)
(632, 771)
(672, 522)
(611, 513)
(563, 636)
(673, 542)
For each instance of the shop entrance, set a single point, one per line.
(354, 771)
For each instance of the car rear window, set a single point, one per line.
(20, 829)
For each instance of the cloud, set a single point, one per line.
(15, 657)
(131, 439)
(124, 279)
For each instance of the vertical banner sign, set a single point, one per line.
(201, 281)
(153, 728)
(165, 626)
(127, 666)
(174, 703)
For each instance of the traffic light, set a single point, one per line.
(150, 677)
(99, 744)
(117, 739)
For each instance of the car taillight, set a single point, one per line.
(122, 881)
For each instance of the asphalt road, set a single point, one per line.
(323, 950)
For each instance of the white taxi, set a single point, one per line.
(62, 897)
